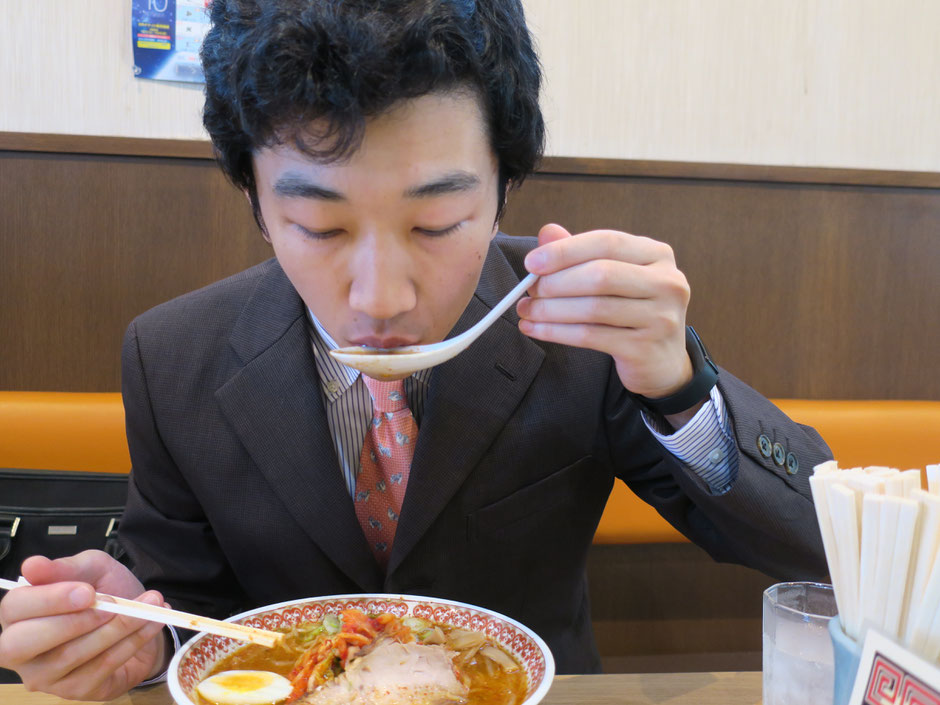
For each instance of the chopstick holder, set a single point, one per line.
(152, 613)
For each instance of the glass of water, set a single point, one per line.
(797, 647)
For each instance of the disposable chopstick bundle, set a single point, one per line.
(881, 534)
(152, 613)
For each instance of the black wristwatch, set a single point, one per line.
(704, 377)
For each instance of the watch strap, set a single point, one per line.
(704, 377)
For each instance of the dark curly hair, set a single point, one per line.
(274, 66)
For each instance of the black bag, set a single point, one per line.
(57, 514)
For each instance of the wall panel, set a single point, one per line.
(839, 83)
(802, 289)
(89, 241)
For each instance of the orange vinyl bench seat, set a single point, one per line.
(85, 431)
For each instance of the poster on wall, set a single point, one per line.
(167, 35)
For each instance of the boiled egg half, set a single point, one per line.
(245, 688)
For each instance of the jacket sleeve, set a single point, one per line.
(164, 529)
(766, 520)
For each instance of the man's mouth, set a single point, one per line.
(379, 341)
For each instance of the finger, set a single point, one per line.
(45, 600)
(26, 640)
(601, 278)
(68, 650)
(93, 677)
(86, 567)
(551, 232)
(604, 310)
(605, 339)
(561, 253)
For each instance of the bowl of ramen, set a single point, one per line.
(373, 649)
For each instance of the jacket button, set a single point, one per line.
(793, 465)
(780, 455)
(763, 443)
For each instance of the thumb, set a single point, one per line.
(538, 259)
(552, 232)
(38, 570)
(85, 567)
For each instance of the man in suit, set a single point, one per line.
(376, 143)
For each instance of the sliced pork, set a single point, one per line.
(392, 673)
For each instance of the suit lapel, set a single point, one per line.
(274, 405)
(469, 401)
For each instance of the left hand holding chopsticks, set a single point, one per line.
(57, 644)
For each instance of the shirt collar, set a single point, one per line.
(335, 377)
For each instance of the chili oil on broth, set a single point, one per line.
(488, 686)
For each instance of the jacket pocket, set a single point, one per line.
(558, 499)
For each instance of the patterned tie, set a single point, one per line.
(385, 464)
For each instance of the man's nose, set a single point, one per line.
(382, 285)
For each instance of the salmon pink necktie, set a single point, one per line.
(385, 463)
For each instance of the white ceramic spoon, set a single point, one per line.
(392, 363)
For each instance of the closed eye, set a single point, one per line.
(318, 234)
(440, 233)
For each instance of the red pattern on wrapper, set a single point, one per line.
(890, 684)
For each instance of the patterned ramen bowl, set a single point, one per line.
(198, 656)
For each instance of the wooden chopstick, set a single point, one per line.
(933, 479)
(185, 620)
(899, 586)
(927, 549)
(842, 502)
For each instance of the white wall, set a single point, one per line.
(839, 83)
(852, 83)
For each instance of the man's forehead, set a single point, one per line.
(326, 144)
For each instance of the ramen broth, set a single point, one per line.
(488, 685)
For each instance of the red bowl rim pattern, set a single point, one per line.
(197, 657)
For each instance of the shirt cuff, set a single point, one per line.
(705, 444)
(162, 677)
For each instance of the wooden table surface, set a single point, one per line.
(742, 688)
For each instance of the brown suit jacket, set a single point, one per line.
(237, 500)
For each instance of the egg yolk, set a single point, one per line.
(245, 688)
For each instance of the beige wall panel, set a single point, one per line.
(840, 83)
(73, 74)
(847, 83)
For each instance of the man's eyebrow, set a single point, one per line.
(294, 185)
(453, 182)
